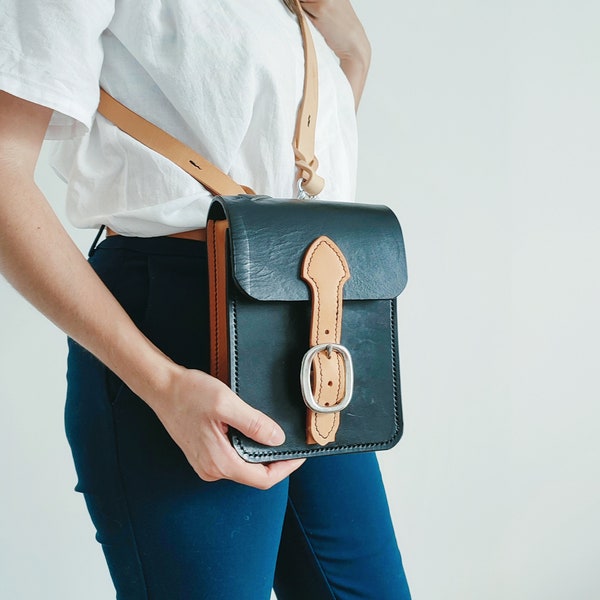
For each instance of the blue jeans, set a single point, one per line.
(167, 535)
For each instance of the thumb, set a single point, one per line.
(254, 424)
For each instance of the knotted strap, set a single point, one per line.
(306, 122)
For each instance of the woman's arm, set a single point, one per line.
(345, 35)
(40, 260)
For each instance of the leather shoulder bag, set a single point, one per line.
(303, 297)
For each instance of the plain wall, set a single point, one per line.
(480, 126)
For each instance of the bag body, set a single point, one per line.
(261, 313)
(303, 295)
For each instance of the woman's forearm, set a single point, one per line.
(40, 260)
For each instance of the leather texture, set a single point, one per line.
(217, 276)
(369, 236)
(269, 316)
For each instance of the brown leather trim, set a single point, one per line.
(199, 235)
(325, 270)
(217, 293)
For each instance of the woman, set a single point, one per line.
(179, 513)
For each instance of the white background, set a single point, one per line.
(480, 127)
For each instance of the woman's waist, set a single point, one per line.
(197, 235)
(159, 246)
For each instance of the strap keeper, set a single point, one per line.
(310, 184)
(314, 186)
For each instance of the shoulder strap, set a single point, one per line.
(205, 172)
(160, 141)
(306, 121)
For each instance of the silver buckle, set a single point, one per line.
(305, 384)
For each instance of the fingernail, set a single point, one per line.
(277, 437)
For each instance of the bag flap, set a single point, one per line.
(268, 239)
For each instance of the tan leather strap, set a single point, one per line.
(210, 176)
(198, 235)
(325, 270)
(160, 141)
(306, 122)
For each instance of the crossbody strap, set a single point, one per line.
(210, 176)
(306, 121)
(204, 171)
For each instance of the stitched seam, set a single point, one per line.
(339, 378)
(215, 331)
(320, 365)
(335, 417)
(395, 384)
(318, 415)
(126, 500)
(234, 377)
(311, 549)
(316, 290)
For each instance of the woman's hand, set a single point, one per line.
(40, 260)
(197, 410)
(344, 33)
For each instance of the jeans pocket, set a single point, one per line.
(114, 386)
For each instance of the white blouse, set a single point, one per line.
(223, 76)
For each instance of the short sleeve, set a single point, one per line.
(51, 54)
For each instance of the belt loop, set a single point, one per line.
(92, 249)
